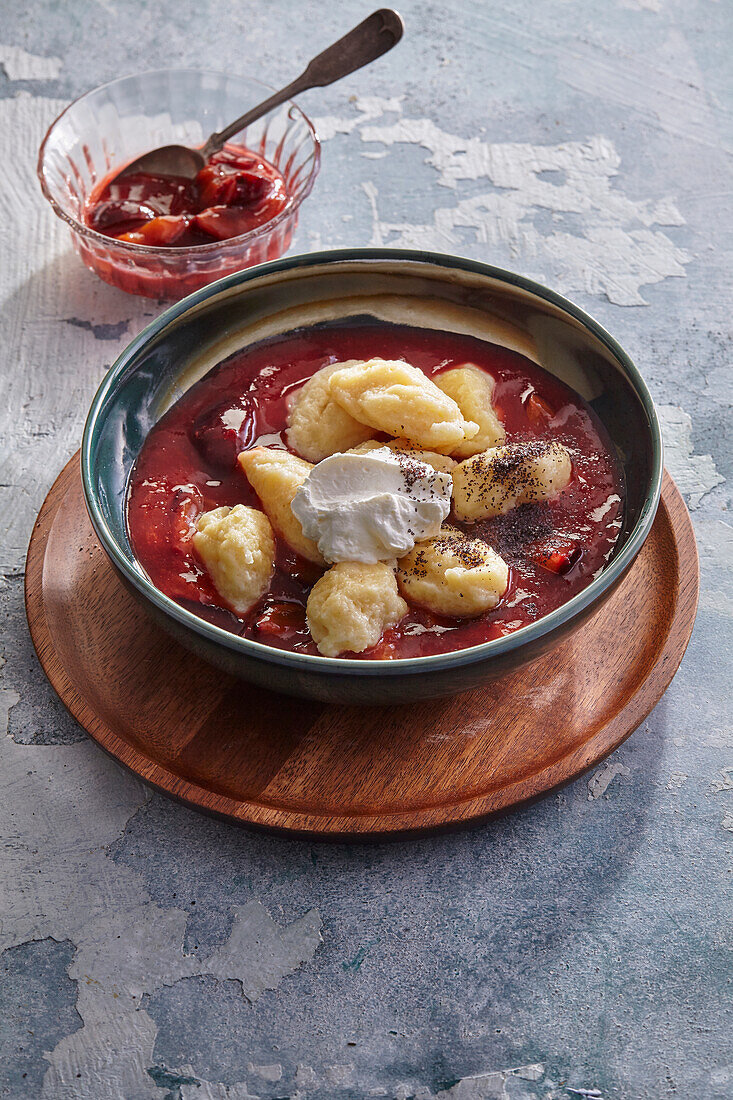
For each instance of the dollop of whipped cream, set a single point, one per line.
(371, 507)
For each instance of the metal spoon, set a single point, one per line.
(373, 37)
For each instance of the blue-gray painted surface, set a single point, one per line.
(579, 944)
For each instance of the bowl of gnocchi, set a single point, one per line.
(372, 476)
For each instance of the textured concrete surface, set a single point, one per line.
(580, 947)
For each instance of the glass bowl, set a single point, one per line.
(107, 128)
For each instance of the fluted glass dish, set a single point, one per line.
(107, 128)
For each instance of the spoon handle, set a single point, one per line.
(369, 40)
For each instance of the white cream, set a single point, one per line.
(371, 507)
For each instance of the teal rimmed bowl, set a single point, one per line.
(422, 289)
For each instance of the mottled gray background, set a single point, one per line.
(580, 944)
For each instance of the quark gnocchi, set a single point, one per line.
(443, 463)
(495, 481)
(352, 605)
(472, 389)
(237, 547)
(462, 492)
(453, 574)
(317, 425)
(400, 400)
(276, 477)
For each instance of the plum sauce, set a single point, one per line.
(188, 466)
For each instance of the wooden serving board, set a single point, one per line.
(264, 760)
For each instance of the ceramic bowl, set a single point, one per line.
(107, 128)
(437, 292)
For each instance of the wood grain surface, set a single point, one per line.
(255, 758)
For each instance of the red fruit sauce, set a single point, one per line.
(235, 191)
(188, 465)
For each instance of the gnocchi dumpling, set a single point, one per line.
(318, 426)
(399, 399)
(442, 463)
(453, 574)
(497, 480)
(352, 605)
(237, 547)
(276, 477)
(472, 390)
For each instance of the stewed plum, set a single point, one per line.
(236, 191)
(219, 434)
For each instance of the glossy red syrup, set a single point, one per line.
(235, 191)
(188, 466)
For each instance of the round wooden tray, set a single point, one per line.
(268, 761)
